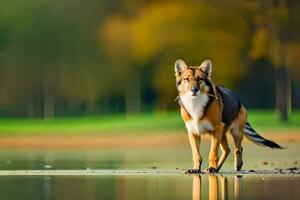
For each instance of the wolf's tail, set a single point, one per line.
(252, 135)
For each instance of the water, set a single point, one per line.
(175, 185)
(153, 186)
(178, 157)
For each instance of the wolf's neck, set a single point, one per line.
(195, 106)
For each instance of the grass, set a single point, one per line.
(119, 124)
(92, 125)
(268, 119)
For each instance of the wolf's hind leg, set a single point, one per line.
(237, 132)
(225, 151)
(238, 150)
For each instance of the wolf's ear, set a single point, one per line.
(206, 67)
(180, 66)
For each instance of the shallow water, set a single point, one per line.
(145, 185)
(150, 186)
(178, 157)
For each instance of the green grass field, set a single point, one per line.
(146, 123)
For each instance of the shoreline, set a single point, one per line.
(295, 171)
(115, 141)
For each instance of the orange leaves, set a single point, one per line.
(116, 35)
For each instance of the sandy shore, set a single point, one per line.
(114, 141)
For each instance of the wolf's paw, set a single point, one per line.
(193, 171)
(211, 170)
(239, 166)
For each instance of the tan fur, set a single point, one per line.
(214, 113)
(184, 114)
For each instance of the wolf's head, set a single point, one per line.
(193, 80)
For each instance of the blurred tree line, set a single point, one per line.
(75, 57)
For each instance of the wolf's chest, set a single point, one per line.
(198, 127)
(196, 108)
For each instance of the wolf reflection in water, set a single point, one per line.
(214, 192)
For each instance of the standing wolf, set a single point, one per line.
(207, 108)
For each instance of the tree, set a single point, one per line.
(49, 54)
(161, 32)
(277, 38)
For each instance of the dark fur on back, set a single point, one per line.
(231, 103)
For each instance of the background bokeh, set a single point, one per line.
(89, 85)
(99, 57)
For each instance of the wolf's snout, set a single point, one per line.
(194, 89)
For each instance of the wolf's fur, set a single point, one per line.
(207, 108)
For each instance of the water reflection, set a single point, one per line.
(149, 187)
(238, 187)
(47, 187)
(215, 190)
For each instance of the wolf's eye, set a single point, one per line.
(200, 80)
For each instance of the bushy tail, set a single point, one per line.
(252, 135)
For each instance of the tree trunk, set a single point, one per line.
(91, 106)
(30, 106)
(49, 107)
(133, 93)
(283, 93)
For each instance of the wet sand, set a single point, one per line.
(115, 141)
(288, 171)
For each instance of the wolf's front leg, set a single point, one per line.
(216, 136)
(195, 141)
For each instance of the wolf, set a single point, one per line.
(208, 108)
